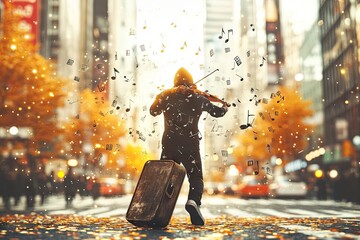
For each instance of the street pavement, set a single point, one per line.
(227, 217)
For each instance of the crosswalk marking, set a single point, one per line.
(319, 233)
(212, 207)
(340, 214)
(302, 212)
(207, 214)
(237, 212)
(93, 211)
(113, 213)
(272, 212)
(61, 212)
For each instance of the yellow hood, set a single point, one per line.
(183, 77)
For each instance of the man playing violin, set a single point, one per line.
(182, 106)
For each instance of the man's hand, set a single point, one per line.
(224, 106)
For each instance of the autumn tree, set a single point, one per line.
(98, 125)
(279, 128)
(30, 90)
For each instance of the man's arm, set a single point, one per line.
(156, 107)
(214, 110)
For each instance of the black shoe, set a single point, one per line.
(194, 211)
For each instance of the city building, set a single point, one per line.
(339, 34)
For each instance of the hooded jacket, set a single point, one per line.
(182, 112)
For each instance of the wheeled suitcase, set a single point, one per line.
(156, 194)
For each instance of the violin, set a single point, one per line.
(193, 90)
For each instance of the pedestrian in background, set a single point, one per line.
(69, 187)
(42, 184)
(30, 188)
(95, 189)
(321, 188)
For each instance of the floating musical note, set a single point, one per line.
(114, 103)
(145, 26)
(256, 171)
(206, 116)
(128, 109)
(272, 95)
(228, 82)
(227, 49)
(282, 98)
(271, 117)
(252, 27)
(253, 98)
(229, 31)
(101, 88)
(154, 124)
(109, 147)
(183, 46)
(163, 48)
(255, 135)
(262, 115)
(262, 63)
(222, 32)
(271, 129)
(126, 79)
(199, 50)
(248, 124)
(248, 53)
(224, 153)
(95, 124)
(211, 52)
(131, 131)
(237, 60)
(241, 78)
(70, 62)
(115, 71)
(76, 78)
(268, 147)
(265, 100)
(132, 31)
(96, 100)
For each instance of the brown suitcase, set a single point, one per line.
(156, 194)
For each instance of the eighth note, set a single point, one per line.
(262, 63)
(222, 32)
(115, 71)
(128, 109)
(241, 78)
(230, 30)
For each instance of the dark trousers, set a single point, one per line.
(191, 160)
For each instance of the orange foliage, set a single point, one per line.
(279, 128)
(30, 91)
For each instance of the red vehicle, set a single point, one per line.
(251, 187)
(112, 186)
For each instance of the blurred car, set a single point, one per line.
(111, 186)
(286, 186)
(211, 188)
(226, 188)
(252, 187)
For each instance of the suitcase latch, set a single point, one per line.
(170, 190)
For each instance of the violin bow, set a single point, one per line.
(206, 76)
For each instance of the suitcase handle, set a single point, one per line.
(170, 190)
